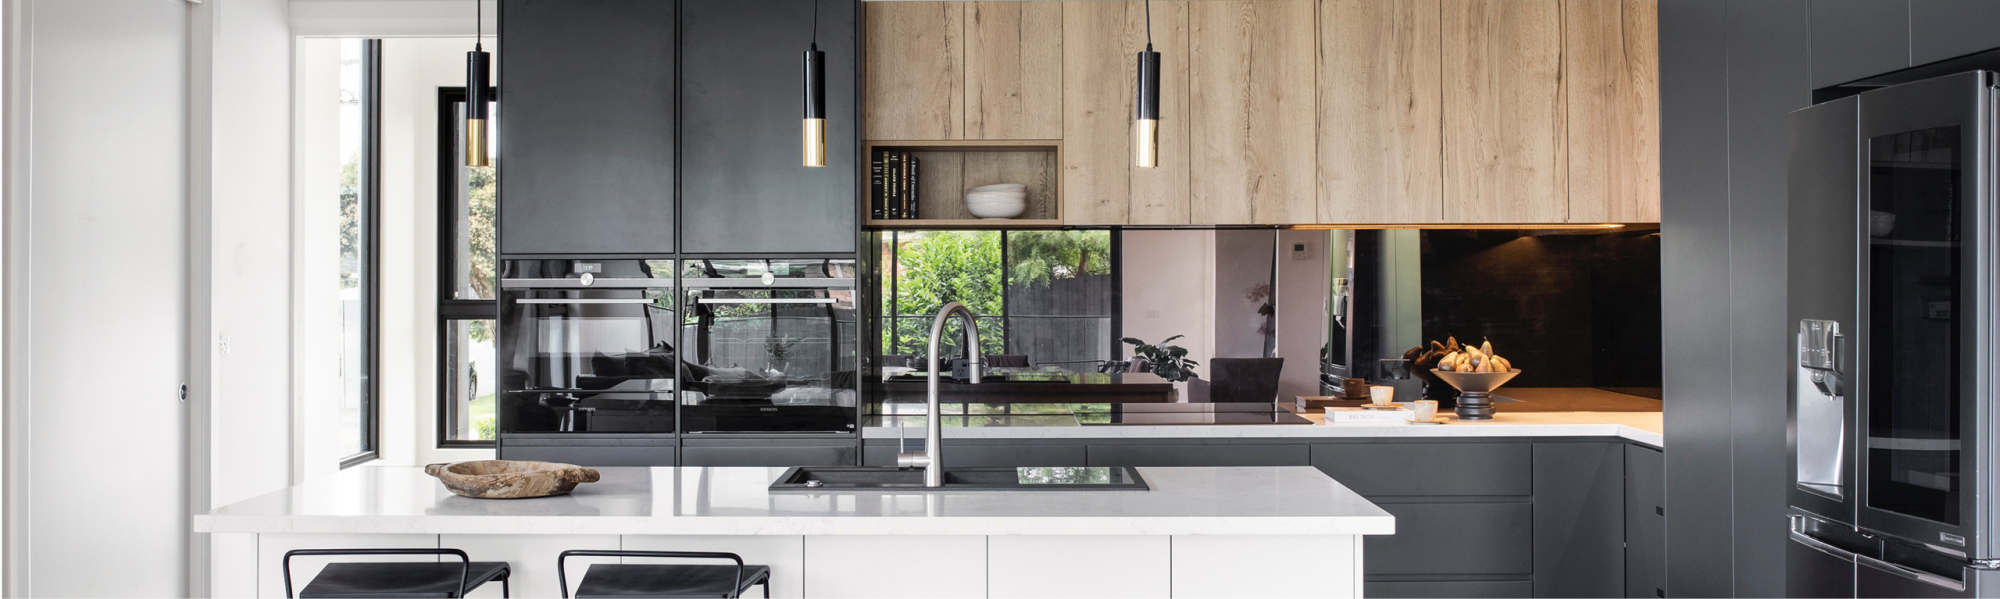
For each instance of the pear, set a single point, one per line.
(1486, 347)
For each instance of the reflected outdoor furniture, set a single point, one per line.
(1006, 360)
(1085, 387)
(1238, 380)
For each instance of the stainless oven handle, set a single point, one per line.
(791, 283)
(773, 300)
(620, 300)
(597, 283)
(1912, 574)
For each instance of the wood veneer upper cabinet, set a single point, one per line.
(1013, 70)
(1380, 133)
(1252, 106)
(1505, 145)
(914, 77)
(1613, 71)
(1101, 42)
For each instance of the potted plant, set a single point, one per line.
(1169, 361)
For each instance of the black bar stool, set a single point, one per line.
(397, 579)
(662, 580)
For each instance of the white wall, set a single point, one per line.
(1302, 296)
(412, 71)
(316, 159)
(1169, 278)
(1242, 262)
(105, 286)
(250, 216)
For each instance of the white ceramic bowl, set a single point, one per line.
(1002, 187)
(995, 205)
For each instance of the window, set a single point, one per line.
(360, 202)
(1051, 296)
(466, 279)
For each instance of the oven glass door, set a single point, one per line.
(776, 356)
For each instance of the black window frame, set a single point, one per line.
(889, 316)
(451, 310)
(368, 174)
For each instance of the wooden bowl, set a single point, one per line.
(510, 479)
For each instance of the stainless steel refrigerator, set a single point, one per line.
(1892, 299)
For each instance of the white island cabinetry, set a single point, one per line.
(1199, 532)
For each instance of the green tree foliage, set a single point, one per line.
(944, 266)
(1038, 257)
(480, 234)
(350, 223)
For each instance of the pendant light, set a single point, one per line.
(1146, 124)
(476, 85)
(814, 134)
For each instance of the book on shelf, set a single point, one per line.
(916, 171)
(892, 184)
(878, 198)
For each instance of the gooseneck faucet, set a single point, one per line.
(934, 428)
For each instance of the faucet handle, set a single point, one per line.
(913, 459)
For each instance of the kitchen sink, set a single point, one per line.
(824, 479)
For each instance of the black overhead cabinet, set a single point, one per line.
(594, 126)
(743, 188)
(586, 127)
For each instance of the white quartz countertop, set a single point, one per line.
(1641, 427)
(1294, 500)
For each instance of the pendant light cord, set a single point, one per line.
(815, 34)
(1149, 24)
(479, 25)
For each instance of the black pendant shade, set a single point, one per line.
(1146, 124)
(814, 134)
(477, 86)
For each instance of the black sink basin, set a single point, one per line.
(821, 479)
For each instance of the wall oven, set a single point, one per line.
(770, 346)
(586, 346)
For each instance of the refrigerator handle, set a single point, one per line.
(1907, 572)
(1823, 547)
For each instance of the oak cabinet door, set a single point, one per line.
(1612, 71)
(1101, 42)
(1013, 70)
(1505, 150)
(1252, 105)
(1380, 127)
(914, 77)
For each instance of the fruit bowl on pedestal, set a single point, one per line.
(1475, 390)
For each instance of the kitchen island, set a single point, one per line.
(1199, 532)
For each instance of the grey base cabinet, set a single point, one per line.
(767, 452)
(1485, 518)
(1645, 522)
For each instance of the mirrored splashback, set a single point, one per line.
(1568, 307)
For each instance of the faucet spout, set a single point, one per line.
(934, 425)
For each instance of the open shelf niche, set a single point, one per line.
(946, 169)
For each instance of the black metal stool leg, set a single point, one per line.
(506, 592)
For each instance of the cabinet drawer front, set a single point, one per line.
(1449, 588)
(988, 456)
(1429, 469)
(1199, 455)
(592, 456)
(768, 456)
(1455, 538)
